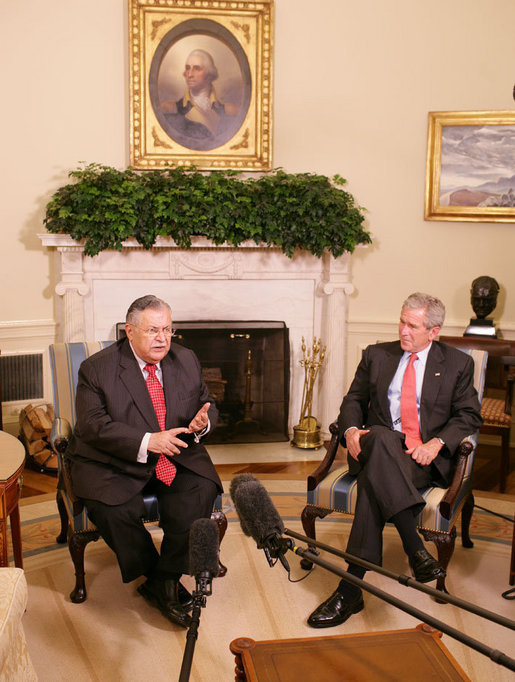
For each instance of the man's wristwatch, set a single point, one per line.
(442, 442)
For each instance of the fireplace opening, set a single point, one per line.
(246, 366)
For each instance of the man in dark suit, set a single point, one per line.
(409, 406)
(121, 434)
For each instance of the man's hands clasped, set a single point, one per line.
(423, 454)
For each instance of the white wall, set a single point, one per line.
(354, 82)
(369, 73)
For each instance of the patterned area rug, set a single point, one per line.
(41, 524)
(116, 635)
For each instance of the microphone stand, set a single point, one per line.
(406, 581)
(202, 590)
(495, 655)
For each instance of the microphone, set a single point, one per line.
(236, 482)
(203, 564)
(259, 518)
(203, 554)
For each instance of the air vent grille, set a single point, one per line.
(21, 377)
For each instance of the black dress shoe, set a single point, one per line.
(185, 598)
(335, 610)
(164, 595)
(425, 568)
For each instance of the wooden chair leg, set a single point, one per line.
(63, 515)
(505, 460)
(466, 515)
(221, 521)
(444, 543)
(77, 544)
(309, 515)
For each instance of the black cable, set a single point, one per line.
(509, 594)
(489, 511)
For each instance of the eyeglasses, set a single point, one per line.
(152, 332)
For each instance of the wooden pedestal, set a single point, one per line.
(12, 461)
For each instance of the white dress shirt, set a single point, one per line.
(143, 448)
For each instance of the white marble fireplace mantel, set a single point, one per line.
(209, 282)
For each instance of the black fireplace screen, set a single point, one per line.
(246, 366)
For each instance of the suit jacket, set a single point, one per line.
(449, 407)
(114, 411)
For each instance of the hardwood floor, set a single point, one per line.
(486, 473)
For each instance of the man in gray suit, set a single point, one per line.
(409, 406)
(118, 441)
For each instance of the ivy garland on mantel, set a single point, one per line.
(104, 207)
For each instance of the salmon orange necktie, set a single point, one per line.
(409, 413)
(165, 470)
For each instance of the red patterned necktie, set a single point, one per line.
(409, 414)
(165, 470)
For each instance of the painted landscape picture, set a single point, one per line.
(477, 166)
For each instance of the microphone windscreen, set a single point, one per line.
(237, 481)
(258, 516)
(204, 546)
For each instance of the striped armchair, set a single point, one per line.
(335, 490)
(76, 528)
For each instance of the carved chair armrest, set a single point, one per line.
(60, 435)
(465, 449)
(323, 468)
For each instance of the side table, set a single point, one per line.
(408, 655)
(12, 461)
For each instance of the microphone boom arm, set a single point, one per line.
(406, 580)
(495, 655)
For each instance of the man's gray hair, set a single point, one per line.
(435, 309)
(209, 63)
(144, 303)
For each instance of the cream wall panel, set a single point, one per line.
(353, 84)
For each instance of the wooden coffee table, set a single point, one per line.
(407, 655)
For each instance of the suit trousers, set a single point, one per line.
(388, 480)
(188, 498)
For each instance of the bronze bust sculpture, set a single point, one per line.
(483, 298)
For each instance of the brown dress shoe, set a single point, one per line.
(163, 594)
(336, 610)
(425, 568)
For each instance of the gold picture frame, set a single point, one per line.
(470, 174)
(229, 125)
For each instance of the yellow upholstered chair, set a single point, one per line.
(76, 528)
(333, 489)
